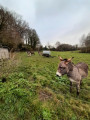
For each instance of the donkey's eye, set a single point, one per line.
(61, 67)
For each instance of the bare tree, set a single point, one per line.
(12, 29)
(85, 43)
(82, 40)
(57, 44)
(33, 39)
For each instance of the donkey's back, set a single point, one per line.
(83, 69)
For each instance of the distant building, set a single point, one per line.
(4, 53)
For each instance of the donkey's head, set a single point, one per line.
(64, 67)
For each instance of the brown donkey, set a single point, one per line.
(75, 73)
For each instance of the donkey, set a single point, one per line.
(40, 53)
(28, 53)
(32, 52)
(75, 73)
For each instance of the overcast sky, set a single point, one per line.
(54, 20)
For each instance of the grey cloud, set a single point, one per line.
(54, 7)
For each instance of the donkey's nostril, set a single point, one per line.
(58, 74)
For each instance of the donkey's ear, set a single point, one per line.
(60, 58)
(70, 59)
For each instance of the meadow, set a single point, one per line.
(32, 90)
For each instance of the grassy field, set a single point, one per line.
(33, 92)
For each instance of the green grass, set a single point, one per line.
(33, 92)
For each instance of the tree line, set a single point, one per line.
(84, 46)
(61, 47)
(14, 31)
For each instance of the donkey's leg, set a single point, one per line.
(78, 88)
(70, 86)
(81, 82)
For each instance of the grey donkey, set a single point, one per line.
(75, 73)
